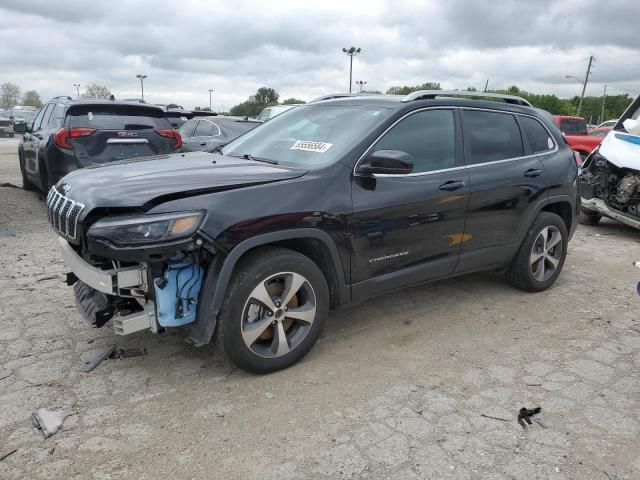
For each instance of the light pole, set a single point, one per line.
(210, 92)
(584, 83)
(77, 85)
(352, 52)
(141, 77)
(361, 83)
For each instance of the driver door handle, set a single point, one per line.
(452, 185)
(533, 172)
(202, 144)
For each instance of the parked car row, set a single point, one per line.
(67, 134)
(323, 206)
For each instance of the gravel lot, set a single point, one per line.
(395, 389)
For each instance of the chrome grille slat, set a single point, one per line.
(63, 213)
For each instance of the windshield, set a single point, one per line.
(308, 136)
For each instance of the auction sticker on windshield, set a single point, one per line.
(310, 146)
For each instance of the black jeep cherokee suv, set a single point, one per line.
(324, 206)
(68, 134)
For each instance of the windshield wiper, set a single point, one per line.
(218, 149)
(248, 156)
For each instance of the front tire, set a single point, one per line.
(274, 310)
(541, 256)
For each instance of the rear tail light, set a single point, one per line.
(172, 134)
(63, 135)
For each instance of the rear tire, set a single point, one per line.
(541, 256)
(44, 178)
(255, 331)
(26, 184)
(587, 217)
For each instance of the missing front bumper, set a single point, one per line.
(106, 281)
(597, 205)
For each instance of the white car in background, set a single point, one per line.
(274, 111)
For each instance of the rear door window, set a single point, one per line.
(38, 120)
(538, 136)
(573, 126)
(490, 136)
(118, 117)
(41, 120)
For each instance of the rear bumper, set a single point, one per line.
(597, 205)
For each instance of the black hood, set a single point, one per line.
(142, 183)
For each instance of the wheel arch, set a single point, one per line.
(313, 243)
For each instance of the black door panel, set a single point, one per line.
(406, 221)
(415, 222)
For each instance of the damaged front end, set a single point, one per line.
(610, 178)
(142, 272)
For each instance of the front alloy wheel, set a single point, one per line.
(274, 310)
(278, 315)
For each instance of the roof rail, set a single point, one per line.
(330, 96)
(431, 94)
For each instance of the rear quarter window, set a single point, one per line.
(115, 117)
(490, 136)
(537, 134)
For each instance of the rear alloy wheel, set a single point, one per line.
(541, 256)
(274, 311)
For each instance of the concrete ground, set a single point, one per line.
(403, 387)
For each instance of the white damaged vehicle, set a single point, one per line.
(610, 178)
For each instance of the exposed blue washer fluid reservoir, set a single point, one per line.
(177, 293)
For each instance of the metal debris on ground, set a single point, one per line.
(526, 414)
(128, 352)
(97, 360)
(49, 422)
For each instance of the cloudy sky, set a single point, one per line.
(234, 46)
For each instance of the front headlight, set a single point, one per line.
(146, 229)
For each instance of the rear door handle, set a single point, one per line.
(452, 185)
(533, 172)
(202, 144)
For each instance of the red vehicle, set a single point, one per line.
(578, 138)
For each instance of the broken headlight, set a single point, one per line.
(146, 229)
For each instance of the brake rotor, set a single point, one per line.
(275, 289)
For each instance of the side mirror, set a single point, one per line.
(20, 127)
(390, 162)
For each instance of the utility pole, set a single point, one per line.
(486, 85)
(210, 92)
(604, 96)
(353, 51)
(77, 85)
(584, 85)
(141, 77)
